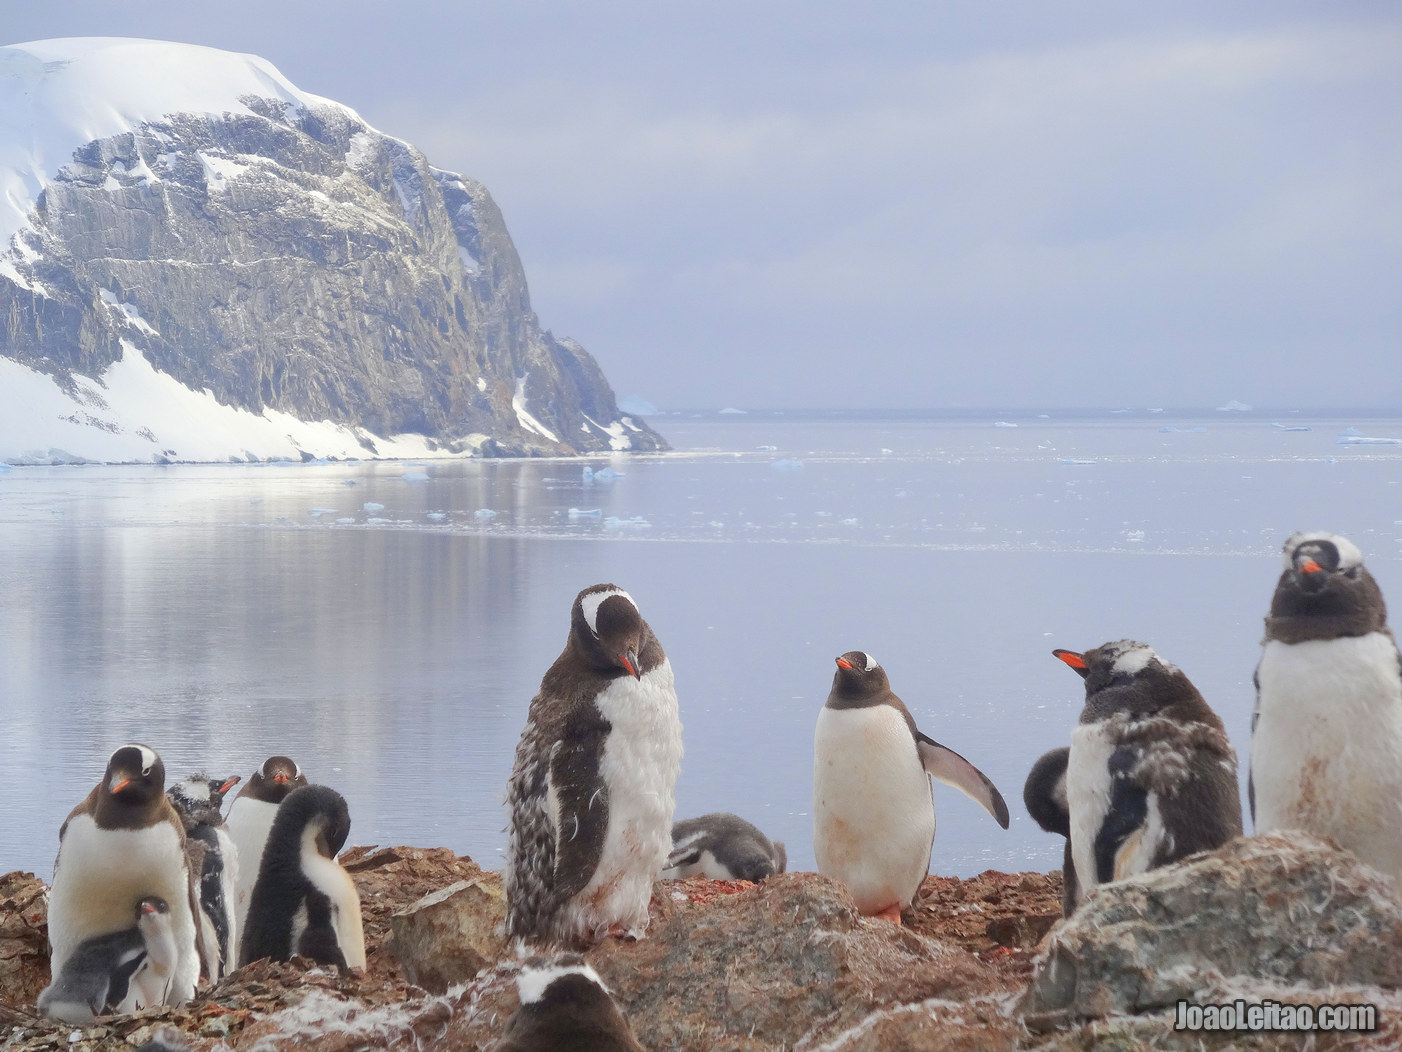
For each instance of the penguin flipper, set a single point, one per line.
(945, 765)
(1123, 827)
(581, 801)
(1255, 718)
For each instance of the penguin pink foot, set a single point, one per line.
(891, 913)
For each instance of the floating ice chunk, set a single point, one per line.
(317, 512)
(345, 522)
(370, 505)
(376, 521)
(602, 475)
(414, 476)
(767, 449)
(786, 464)
(1234, 407)
(635, 523)
(1003, 423)
(4, 468)
(1350, 432)
(850, 522)
(1134, 536)
(438, 516)
(1360, 440)
(1074, 461)
(1169, 429)
(886, 452)
(485, 513)
(1290, 427)
(1153, 410)
(586, 513)
(731, 411)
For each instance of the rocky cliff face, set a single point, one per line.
(289, 259)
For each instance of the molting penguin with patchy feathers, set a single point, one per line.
(1150, 776)
(251, 817)
(213, 856)
(722, 847)
(123, 971)
(122, 844)
(303, 901)
(591, 790)
(565, 1007)
(1326, 732)
(873, 812)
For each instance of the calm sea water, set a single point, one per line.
(221, 614)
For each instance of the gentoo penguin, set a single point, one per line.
(591, 789)
(214, 857)
(1326, 732)
(1150, 776)
(122, 971)
(250, 818)
(303, 901)
(873, 813)
(1045, 797)
(722, 847)
(122, 844)
(565, 1007)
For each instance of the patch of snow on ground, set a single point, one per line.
(468, 260)
(618, 441)
(219, 170)
(523, 416)
(132, 315)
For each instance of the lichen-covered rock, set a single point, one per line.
(450, 935)
(1287, 909)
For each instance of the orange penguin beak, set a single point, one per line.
(1073, 659)
(120, 786)
(230, 784)
(844, 663)
(629, 661)
(1310, 566)
(281, 778)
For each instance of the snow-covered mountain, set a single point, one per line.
(198, 261)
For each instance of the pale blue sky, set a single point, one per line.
(910, 205)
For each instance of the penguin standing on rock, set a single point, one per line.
(722, 847)
(122, 844)
(1326, 732)
(1045, 798)
(213, 856)
(591, 791)
(250, 819)
(873, 813)
(1150, 776)
(565, 1007)
(303, 901)
(120, 972)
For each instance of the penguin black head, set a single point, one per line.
(1127, 676)
(564, 1004)
(609, 629)
(859, 676)
(198, 798)
(135, 775)
(1324, 576)
(271, 783)
(1115, 664)
(320, 811)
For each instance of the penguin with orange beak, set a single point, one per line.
(250, 820)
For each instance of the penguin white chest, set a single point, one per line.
(639, 767)
(249, 823)
(1326, 755)
(873, 812)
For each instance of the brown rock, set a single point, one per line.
(24, 939)
(450, 935)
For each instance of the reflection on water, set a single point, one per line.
(388, 632)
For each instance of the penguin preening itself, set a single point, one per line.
(214, 858)
(1326, 731)
(303, 901)
(565, 1007)
(119, 972)
(1150, 775)
(1045, 798)
(873, 811)
(722, 847)
(591, 790)
(250, 819)
(122, 844)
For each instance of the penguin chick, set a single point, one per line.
(124, 843)
(303, 901)
(1326, 731)
(722, 847)
(873, 812)
(100, 977)
(591, 790)
(250, 818)
(565, 1007)
(1045, 798)
(197, 800)
(1151, 776)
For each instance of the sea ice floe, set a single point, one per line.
(1134, 536)
(414, 476)
(370, 505)
(345, 522)
(767, 449)
(602, 475)
(586, 513)
(1073, 461)
(485, 513)
(317, 512)
(438, 516)
(1003, 423)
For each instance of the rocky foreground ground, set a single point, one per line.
(789, 965)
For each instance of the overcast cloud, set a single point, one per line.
(918, 205)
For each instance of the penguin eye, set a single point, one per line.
(145, 772)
